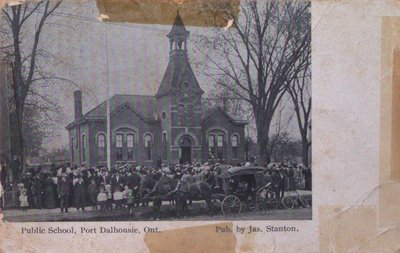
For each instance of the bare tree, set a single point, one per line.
(282, 120)
(23, 55)
(237, 107)
(286, 149)
(258, 55)
(300, 93)
(24, 65)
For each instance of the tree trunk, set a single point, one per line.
(263, 123)
(305, 150)
(268, 157)
(15, 200)
(262, 142)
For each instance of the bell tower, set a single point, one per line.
(179, 100)
(178, 38)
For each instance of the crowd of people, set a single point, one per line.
(103, 189)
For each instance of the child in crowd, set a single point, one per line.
(118, 198)
(109, 197)
(129, 199)
(23, 199)
(125, 195)
(102, 199)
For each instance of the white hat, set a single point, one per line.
(166, 170)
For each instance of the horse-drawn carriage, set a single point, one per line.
(247, 188)
(230, 190)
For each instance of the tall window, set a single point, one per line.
(211, 146)
(220, 146)
(234, 141)
(101, 145)
(147, 145)
(181, 114)
(83, 148)
(130, 144)
(72, 150)
(164, 137)
(118, 145)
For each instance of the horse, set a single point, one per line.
(161, 191)
(147, 184)
(192, 188)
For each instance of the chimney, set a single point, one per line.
(78, 104)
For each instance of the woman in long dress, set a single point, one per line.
(48, 185)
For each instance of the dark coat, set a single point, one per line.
(276, 179)
(133, 181)
(37, 192)
(49, 201)
(63, 187)
(93, 191)
(37, 186)
(79, 194)
(116, 182)
(103, 180)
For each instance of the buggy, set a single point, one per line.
(245, 188)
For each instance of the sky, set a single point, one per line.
(138, 57)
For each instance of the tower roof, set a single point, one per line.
(178, 28)
(178, 70)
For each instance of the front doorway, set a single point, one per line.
(185, 148)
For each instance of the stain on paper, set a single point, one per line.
(389, 171)
(355, 230)
(199, 239)
(202, 13)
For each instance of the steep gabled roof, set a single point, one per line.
(217, 109)
(178, 28)
(178, 70)
(144, 105)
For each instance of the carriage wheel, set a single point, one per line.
(288, 202)
(264, 198)
(304, 202)
(231, 205)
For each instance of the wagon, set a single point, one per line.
(245, 188)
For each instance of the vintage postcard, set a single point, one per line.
(200, 126)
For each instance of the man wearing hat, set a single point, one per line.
(223, 176)
(63, 190)
(79, 193)
(133, 181)
(116, 180)
(38, 190)
(103, 179)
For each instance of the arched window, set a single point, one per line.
(234, 141)
(211, 146)
(118, 145)
(220, 146)
(72, 150)
(101, 146)
(83, 148)
(130, 142)
(164, 137)
(147, 145)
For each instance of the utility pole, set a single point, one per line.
(108, 135)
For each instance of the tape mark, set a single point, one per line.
(192, 240)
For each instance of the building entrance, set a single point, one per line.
(185, 145)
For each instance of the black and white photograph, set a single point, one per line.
(135, 110)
